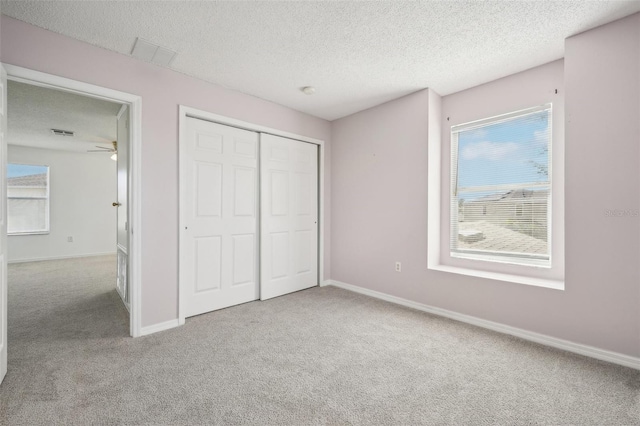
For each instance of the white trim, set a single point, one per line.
(182, 152)
(506, 187)
(496, 119)
(73, 256)
(123, 108)
(228, 121)
(184, 112)
(155, 328)
(566, 345)
(41, 79)
(321, 212)
(135, 216)
(511, 278)
(434, 142)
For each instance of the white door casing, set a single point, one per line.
(289, 215)
(219, 239)
(122, 205)
(3, 224)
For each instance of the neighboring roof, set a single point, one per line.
(519, 194)
(515, 194)
(497, 238)
(39, 180)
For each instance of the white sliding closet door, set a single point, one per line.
(289, 216)
(219, 244)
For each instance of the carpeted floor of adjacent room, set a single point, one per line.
(320, 356)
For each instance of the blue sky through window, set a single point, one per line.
(15, 170)
(509, 152)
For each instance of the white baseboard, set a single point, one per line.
(590, 351)
(73, 256)
(155, 328)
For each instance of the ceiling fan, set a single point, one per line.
(114, 150)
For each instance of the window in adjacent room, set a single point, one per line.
(27, 199)
(501, 188)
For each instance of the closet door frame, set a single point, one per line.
(184, 113)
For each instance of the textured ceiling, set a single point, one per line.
(33, 111)
(357, 54)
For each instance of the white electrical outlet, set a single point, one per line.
(69, 239)
(398, 267)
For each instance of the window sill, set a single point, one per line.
(518, 279)
(17, 234)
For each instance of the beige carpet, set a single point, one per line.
(321, 356)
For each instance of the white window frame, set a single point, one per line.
(525, 260)
(47, 197)
(441, 117)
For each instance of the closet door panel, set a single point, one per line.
(219, 250)
(289, 218)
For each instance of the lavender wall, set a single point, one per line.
(379, 198)
(602, 83)
(162, 91)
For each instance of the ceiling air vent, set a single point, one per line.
(62, 132)
(151, 52)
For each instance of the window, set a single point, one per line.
(27, 199)
(501, 188)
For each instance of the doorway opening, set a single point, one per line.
(62, 211)
(120, 264)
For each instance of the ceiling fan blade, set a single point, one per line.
(101, 149)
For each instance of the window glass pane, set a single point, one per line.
(501, 190)
(27, 198)
(26, 215)
(508, 152)
(513, 222)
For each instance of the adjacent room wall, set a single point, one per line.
(379, 213)
(162, 91)
(82, 188)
